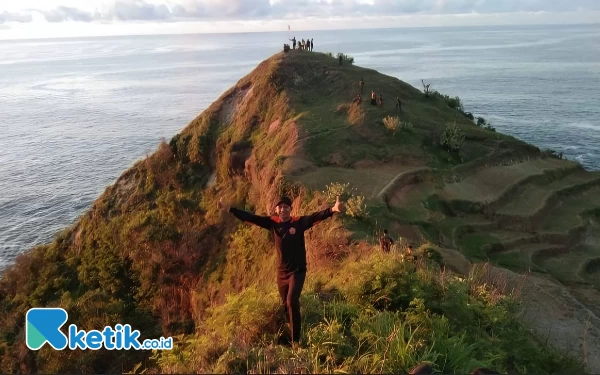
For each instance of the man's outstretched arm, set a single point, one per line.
(310, 220)
(261, 221)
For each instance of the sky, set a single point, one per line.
(22, 19)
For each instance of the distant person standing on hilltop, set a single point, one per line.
(361, 84)
(312, 44)
(373, 98)
(293, 40)
(288, 234)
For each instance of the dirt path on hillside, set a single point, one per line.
(396, 180)
(559, 318)
(552, 311)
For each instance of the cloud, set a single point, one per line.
(6, 17)
(318, 8)
(479, 6)
(63, 13)
(237, 8)
(174, 10)
(138, 10)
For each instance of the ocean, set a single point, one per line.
(75, 113)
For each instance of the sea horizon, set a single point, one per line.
(318, 30)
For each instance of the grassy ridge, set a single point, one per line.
(379, 314)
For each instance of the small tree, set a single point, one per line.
(452, 138)
(426, 88)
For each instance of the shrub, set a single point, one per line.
(482, 123)
(433, 255)
(345, 58)
(452, 138)
(337, 189)
(356, 207)
(355, 204)
(394, 124)
(406, 125)
(453, 102)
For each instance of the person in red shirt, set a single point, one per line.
(288, 235)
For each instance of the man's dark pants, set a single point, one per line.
(290, 286)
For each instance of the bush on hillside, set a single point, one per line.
(482, 123)
(452, 138)
(394, 124)
(452, 102)
(337, 189)
(355, 203)
(345, 58)
(356, 207)
(433, 255)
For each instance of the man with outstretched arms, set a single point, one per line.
(288, 235)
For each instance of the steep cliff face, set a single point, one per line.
(154, 252)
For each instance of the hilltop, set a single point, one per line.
(154, 252)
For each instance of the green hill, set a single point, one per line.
(154, 252)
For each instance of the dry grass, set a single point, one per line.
(484, 275)
(392, 123)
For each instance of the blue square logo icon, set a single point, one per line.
(42, 325)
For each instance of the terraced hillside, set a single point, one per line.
(496, 200)
(538, 210)
(535, 216)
